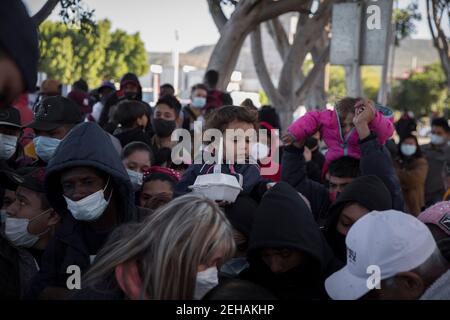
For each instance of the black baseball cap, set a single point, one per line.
(53, 112)
(28, 177)
(10, 117)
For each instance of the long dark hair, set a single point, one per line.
(416, 155)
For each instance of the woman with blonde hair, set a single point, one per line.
(172, 255)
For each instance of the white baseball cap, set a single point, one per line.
(390, 240)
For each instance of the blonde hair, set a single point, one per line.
(168, 247)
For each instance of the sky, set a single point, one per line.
(157, 20)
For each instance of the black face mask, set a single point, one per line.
(311, 142)
(131, 95)
(163, 128)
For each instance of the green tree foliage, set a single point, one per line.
(422, 92)
(404, 21)
(370, 78)
(68, 54)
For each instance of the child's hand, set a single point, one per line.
(307, 154)
(369, 105)
(287, 139)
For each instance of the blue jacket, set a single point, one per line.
(375, 160)
(86, 145)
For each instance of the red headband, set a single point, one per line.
(157, 169)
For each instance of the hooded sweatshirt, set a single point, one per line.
(284, 221)
(118, 96)
(369, 192)
(87, 145)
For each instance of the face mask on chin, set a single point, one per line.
(206, 280)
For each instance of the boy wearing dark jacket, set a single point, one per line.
(224, 119)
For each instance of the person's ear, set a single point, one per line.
(129, 280)
(179, 121)
(54, 218)
(412, 285)
(141, 120)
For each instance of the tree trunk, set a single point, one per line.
(247, 15)
(440, 40)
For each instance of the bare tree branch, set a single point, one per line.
(45, 11)
(277, 8)
(215, 9)
(245, 18)
(312, 75)
(261, 68)
(304, 42)
(279, 36)
(435, 11)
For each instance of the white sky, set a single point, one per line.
(157, 20)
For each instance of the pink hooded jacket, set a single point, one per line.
(328, 123)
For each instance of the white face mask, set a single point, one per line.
(45, 147)
(89, 208)
(435, 139)
(8, 145)
(16, 231)
(206, 280)
(408, 149)
(135, 178)
(259, 151)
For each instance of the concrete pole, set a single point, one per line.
(353, 71)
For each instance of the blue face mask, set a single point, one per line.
(8, 146)
(45, 147)
(198, 102)
(408, 150)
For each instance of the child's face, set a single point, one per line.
(236, 144)
(347, 122)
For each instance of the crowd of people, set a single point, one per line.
(89, 188)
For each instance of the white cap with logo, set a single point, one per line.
(391, 240)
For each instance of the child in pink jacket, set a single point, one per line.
(337, 129)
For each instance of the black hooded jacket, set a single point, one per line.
(283, 221)
(115, 98)
(87, 145)
(368, 191)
